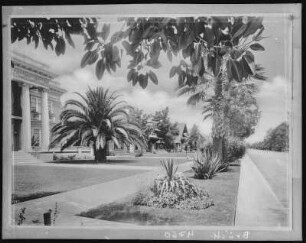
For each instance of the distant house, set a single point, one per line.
(181, 137)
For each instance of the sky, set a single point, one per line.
(272, 96)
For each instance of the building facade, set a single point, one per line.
(35, 103)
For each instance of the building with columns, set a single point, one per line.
(35, 103)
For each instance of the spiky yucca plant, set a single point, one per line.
(207, 164)
(173, 182)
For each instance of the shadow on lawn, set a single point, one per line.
(115, 161)
(22, 198)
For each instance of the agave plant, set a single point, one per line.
(173, 182)
(207, 164)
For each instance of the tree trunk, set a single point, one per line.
(100, 154)
(218, 131)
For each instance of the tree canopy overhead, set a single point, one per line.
(202, 40)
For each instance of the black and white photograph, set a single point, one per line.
(158, 121)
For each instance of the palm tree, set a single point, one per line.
(218, 61)
(94, 121)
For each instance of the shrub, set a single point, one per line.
(172, 182)
(206, 164)
(171, 190)
(139, 154)
(236, 149)
(65, 157)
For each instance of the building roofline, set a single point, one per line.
(29, 63)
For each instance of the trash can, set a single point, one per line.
(47, 217)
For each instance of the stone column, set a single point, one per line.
(26, 119)
(45, 120)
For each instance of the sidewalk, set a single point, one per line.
(257, 205)
(74, 202)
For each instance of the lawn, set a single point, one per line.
(223, 190)
(274, 167)
(34, 181)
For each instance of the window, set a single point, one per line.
(35, 104)
(35, 141)
(50, 104)
(51, 111)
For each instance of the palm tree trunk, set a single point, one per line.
(220, 130)
(218, 120)
(100, 154)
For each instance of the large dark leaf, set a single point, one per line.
(141, 81)
(135, 35)
(154, 63)
(93, 57)
(250, 55)
(240, 31)
(60, 46)
(181, 79)
(236, 70)
(209, 36)
(89, 45)
(115, 56)
(112, 66)
(172, 71)
(91, 30)
(183, 63)
(249, 64)
(155, 50)
(117, 36)
(105, 31)
(107, 67)
(100, 68)
(69, 39)
(190, 36)
(135, 79)
(253, 25)
(127, 47)
(153, 77)
(182, 43)
(235, 54)
(147, 34)
(220, 22)
(202, 69)
(257, 47)
(130, 74)
(187, 51)
(132, 64)
(85, 59)
(198, 28)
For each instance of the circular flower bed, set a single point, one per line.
(173, 190)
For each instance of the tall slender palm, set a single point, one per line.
(227, 58)
(94, 121)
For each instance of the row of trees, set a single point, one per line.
(98, 117)
(276, 139)
(217, 54)
(158, 124)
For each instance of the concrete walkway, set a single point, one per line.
(257, 204)
(76, 201)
